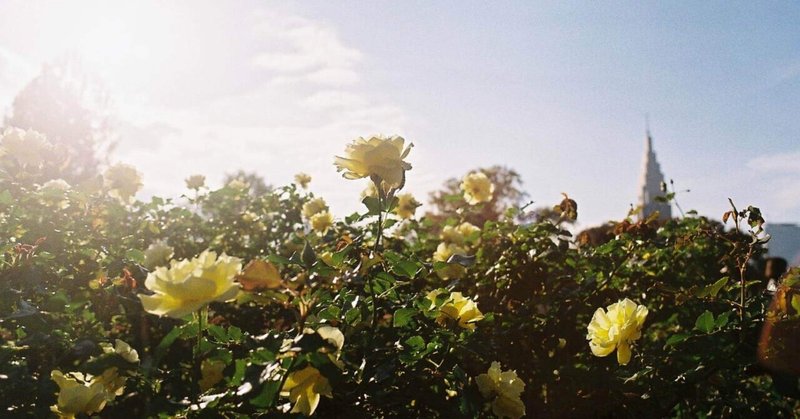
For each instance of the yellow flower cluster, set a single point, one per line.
(122, 182)
(190, 284)
(83, 393)
(456, 308)
(378, 158)
(302, 179)
(503, 388)
(616, 328)
(318, 215)
(477, 188)
(304, 388)
(454, 239)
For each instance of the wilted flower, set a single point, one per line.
(122, 349)
(195, 182)
(83, 393)
(313, 207)
(211, 373)
(304, 388)
(190, 284)
(443, 253)
(122, 181)
(259, 274)
(477, 188)
(302, 179)
(28, 148)
(616, 329)
(406, 206)
(321, 221)
(456, 308)
(157, 254)
(378, 158)
(503, 388)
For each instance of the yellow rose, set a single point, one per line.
(157, 254)
(313, 207)
(238, 184)
(83, 393)
(122, 181)
(378, 158)
(190, 284)
(451, 234)
(259, 274)
(211, 372)
(616, 329)
(28, 148)
(304, 388)
(503, 389)
(406, 206)
(195, 182)
(442, 254)
(457, 308)
(302, 179)
(321, 222)
(477, 188)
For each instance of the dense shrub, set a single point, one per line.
(370, 315)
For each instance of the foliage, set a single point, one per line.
(358, 320)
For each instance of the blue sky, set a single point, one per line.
(557, 91)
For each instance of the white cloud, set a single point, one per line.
(776, 163)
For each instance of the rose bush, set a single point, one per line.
(113, 306)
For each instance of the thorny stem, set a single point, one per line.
(378, 234)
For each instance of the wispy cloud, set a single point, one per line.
(788, 162)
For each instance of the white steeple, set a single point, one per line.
(650, 185)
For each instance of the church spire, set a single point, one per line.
(650, 184)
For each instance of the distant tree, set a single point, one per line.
(71, 109)
(256, 183)
(508, 194)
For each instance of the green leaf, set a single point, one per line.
(722, 320)
(676, 339)
(705, 322)
(309, 257)
(218, 333)
(403, 316)
(796, 303)
(415, 343)
(373, 205)
(6, 198)
(135, 255)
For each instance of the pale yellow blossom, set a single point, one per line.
(456, 308)
(321, 222)
(83, 393)
(302, 179)
(122, 349)
(122, 182)
(477, 188)
(304, 388)
(189, 284)
(406, 206)
(443, 253)
(503, 389)
(378, 158)
(616, 328)
(28, 148)
(313, 207)
(195, 182)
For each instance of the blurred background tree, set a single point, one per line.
(72, 109)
